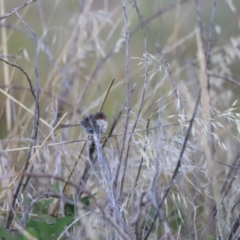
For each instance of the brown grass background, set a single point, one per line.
(80, 49)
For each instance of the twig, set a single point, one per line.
(106, 95)
(16, 9)
(42, 91)
(41, 175)
(127, 40)
(21, 184)
(229, 79)
(142, 98)
(24, 72)
(106, 138)
(234, 229)
(24, 107)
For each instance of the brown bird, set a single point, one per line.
(95, 123)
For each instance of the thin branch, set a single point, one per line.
(157, 14)
(234, 229)
(128, 109)
(16, 9)
(24, 72)
(106, 139)
(142, 98)
(34, 127)
(229, 79)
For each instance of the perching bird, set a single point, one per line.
(95, 123)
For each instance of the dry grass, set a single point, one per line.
(167, 167)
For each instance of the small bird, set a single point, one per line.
(95, 123)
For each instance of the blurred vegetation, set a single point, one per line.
(79, 48)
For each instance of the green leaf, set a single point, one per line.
(86, 200)
(6, 234)
(42, 229)
(69, 209)
(42, 206)
(61, 223)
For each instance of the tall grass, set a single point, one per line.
(165, 74)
